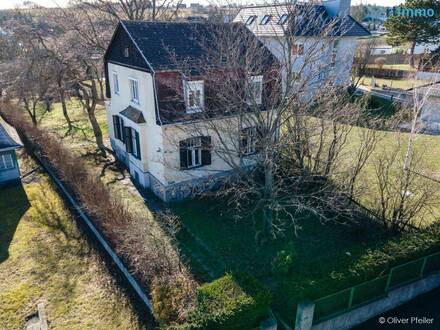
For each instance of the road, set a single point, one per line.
(421, 313)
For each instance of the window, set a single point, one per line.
(115, 83)
(118, 128)
(255, 89)
(250, 20)
(283, 19)
(126, 52)
(297, 49)
(248, 140)
(6, 162)
(195, 152)
(132, 142)
(134, 91)
(194, 95)
(265, 19)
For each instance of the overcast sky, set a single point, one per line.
(51, 3)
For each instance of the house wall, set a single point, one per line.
(179, 183)
(316, 59)
(12, 174)
(150, 134)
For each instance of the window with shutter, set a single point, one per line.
(128, 140)
(194, 96)
(248, 140)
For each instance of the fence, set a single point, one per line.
(345, 300)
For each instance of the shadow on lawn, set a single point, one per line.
(13, 205)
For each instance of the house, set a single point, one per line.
(9, 170)
(321, 37)
(152, 97)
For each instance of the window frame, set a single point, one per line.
(266, 19)
(194, 86)
(115, 83)
(195, 151)
(283, 19)
(252, 98)
(4, 165)
(250, 147)
(134, 82)
(297, 49)
(250, 20)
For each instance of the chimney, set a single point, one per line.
(337, 7)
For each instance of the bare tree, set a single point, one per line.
(362, 59)
(259, 115)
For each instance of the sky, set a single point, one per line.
(4, 4)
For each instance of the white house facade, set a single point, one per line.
(147, 126)
(152, 102)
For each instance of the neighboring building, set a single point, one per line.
(325, 32)
(9, 170)
(151, 100)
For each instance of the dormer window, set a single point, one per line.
(250, 20)
(283, 19)
(265, 20)
(255, 86)
(297, 49)
(194, 96)
(126, 52)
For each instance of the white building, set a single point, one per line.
(151, 100)
(321, 36)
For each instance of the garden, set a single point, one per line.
(319, 259)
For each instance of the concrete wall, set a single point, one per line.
(11, 174)
(359, 315)
(430, 76)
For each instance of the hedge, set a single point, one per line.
(234, 301)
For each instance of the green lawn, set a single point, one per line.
(393, 83)
(405, 67)
(44, 258)
(329, 257)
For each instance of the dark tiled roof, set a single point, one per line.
(133, 114)
(166, 44)
(6, 141)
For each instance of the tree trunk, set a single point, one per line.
(101, 89)
(64, 107)
(96, 130)
(268, 196)
(411, 56)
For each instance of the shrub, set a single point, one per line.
(234, 301)
(380, 61)
(283, 262)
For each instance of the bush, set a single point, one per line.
(283, 262)
(234, 301)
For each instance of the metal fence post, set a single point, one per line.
(350, 300)
(422, 269)
(387, 287)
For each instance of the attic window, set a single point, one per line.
(250, 20)
(283, 19)
(126, 53)
(265, 19)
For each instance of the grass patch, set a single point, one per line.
(329, 257)
(404, 67)
(43, 258)
(393, 83)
